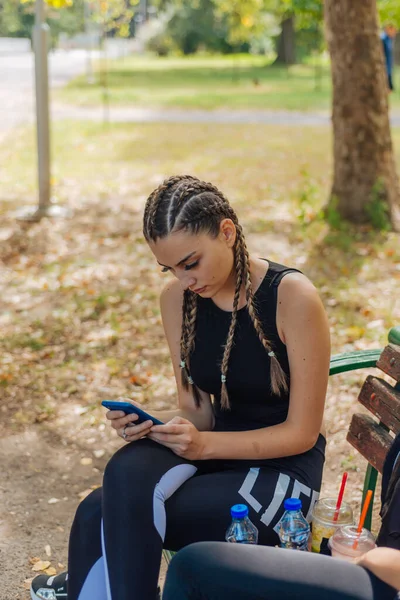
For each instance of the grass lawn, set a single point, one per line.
(233, 82)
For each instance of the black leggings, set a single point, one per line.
(151, 499)
(221, 571)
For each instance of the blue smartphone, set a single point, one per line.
(129, 408)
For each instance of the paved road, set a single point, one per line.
(171, 115)
(17, 100)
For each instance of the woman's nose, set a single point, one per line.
(188, 282)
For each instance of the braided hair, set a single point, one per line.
(184, 203)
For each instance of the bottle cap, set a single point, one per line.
(238, 511)
(292, 504)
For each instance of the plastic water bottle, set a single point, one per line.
(241, 530)
(293, 529)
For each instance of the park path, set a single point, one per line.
(18, 104)
(222, 116)
(17, 92)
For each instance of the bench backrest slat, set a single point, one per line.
(389, 361)
(382, 400)
(370, 439)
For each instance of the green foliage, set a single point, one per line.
(67, 16)
(228, 25)
(377, 208)
(389, 11)
(308, 199)
(196, 24)
(16, 19)
(307, 12)
(332, 215)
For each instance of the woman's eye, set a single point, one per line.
(165, 270)
(191, 266)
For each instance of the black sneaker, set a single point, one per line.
(44, 587)
(55, 587)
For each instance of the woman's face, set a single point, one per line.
(201, 263)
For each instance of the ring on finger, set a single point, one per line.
(124, 434)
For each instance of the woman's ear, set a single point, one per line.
(227, 230)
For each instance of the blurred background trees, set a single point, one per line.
(290, 30)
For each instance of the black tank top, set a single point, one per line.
(253, 405)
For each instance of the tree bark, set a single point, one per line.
(364, 164)
(286, 43)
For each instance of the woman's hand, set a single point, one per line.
(125, 426)
(384, 563)
(181, 436)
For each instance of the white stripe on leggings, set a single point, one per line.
(94, 587)
(168, 484)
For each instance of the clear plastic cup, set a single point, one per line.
(323, 525)
(342, 542)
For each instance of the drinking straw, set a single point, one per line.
(340, 497)
(362, 517)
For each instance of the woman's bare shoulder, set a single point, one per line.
(295, 286)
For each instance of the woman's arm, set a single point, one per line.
(171, 312)
(384, 563)
(303, 326)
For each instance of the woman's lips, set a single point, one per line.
(199, 290)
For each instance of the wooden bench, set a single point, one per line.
(369, 436)
(372, 436)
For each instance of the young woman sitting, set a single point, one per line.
(249, 344)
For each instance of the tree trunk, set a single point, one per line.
(365, 178)
(286, 44)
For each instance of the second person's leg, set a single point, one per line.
(221, 571)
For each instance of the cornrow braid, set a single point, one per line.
(189, 313)
(231, 333)
(153, 203)
(184, 203)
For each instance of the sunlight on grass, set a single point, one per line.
(207, 82)
(237, 81)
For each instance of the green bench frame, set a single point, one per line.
(342, 363)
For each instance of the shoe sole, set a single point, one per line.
(34, 597)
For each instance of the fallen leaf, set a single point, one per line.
(86, 461)
(50, 571)
(47, 549)
(99, 453)
(354, 332)
(34, 560)
(53, 501)
(41, 565)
